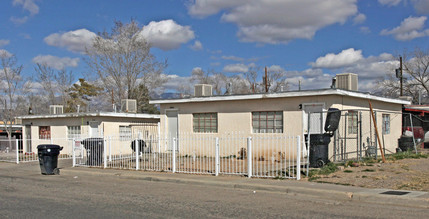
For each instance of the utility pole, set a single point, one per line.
(400, 69)
(399, 75)
(266, 80)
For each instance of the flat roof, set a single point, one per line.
(303, 93)
(93, 114)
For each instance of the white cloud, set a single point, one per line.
(236, 68)
(277, 21)
(410, 28)
(56, 62)
(203, 8)
(17, 20)
(75, 41)
(28, 5)
(197, 45)
(365, 29)
(167, 34)
(5, 53)
(233, 58)
(344, 58)
(4, 42)
(360, 18)
(421, 6)
(389, 2)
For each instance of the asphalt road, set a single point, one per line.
(25, 193)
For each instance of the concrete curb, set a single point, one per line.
(328, 191)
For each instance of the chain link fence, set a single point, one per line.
(356, 136)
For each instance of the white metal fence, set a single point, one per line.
(12, 150)
(253, 156)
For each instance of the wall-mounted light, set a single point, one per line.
(300, 106)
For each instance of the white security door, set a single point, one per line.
(93, 129)
(316, 118)
(172, 127)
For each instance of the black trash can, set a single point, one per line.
(48, 158)
(94, 151)
(143, 147)
(319, 155)
(406, 143)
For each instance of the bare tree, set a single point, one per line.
(121, 58)
(277, 81)
(53, 83)
(415, 76)
(12, 86)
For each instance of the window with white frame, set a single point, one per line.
(352, 125)
(205, 122)
(73, 132)
(386, 124)
(124, 133)
(267, 122)
(45, 132)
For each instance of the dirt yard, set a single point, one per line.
(403, 174)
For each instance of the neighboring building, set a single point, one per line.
(419, 121)
(61, 128)
(286, 113)
(4, 140)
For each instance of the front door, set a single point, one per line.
(172, 127)
(28, 138)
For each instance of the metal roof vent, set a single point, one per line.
(129, 105)
(347, 81)
(203, 90)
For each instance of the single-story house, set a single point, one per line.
(61, 129)
(286, 113)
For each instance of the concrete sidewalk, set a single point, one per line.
(328, 191)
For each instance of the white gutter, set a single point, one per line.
(98, 114)
(285, 94)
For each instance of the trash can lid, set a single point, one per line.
(48, 146)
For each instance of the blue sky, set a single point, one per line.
(309, 40)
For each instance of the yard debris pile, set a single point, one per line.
(403, 171)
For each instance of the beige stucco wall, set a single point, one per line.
(235, 116)
(108, 127)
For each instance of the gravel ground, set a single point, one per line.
(405, 174)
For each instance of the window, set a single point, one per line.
(124, 133)
(205, 122)
(386, 124)
(267, 122)
(352, 125)
(44, 132)
(73, 132)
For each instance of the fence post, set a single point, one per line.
(174, 155)
(17, 151)
(137, 144)
(298, 158)
(217, 158)
(105, 154)
(74, 152)
(412, 129)
(110, 148)
(249, 157)
(159, 137)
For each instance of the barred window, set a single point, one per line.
(267, 122)
(386, 124)
(352, 125)
(205, 122)
(45, 132)
(124, 133)
(73, 132)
